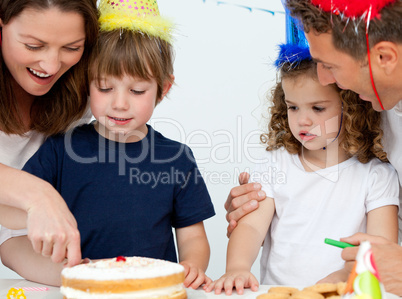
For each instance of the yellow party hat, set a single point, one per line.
(136, 15)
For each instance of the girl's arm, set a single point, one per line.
(383, 222)
(243, 248)
(52, 228)
(17, 254)
(194, 252)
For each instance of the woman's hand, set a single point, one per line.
(242, 200)
(52, 229)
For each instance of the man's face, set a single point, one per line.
(334, 66)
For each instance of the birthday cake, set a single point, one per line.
(124, 277)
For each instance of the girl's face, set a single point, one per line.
(39, 46)
(314, 111)
(122, 106)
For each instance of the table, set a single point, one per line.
(54, 293)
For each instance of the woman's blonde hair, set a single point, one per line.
(67, 99)
(362, 124)
(124, 52)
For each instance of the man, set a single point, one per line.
(358, 46)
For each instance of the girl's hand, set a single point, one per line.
(242, 200)
(195, 277)
(234, 279)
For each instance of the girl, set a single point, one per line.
(323, 178)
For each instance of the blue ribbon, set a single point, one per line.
(272, 12)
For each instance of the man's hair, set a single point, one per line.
(349, 35)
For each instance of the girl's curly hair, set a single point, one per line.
(362, 124)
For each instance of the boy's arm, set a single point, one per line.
(18, 255)
(194, 252)
(383, 222)
(243, 248)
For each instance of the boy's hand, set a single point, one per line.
(234, 279)
(195, 277)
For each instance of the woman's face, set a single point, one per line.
(39, 46)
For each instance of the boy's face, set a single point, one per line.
(314, 111)
(122, 106)
(334, 66)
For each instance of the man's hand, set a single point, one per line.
(387, 256)
(242, 200)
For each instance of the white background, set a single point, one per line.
(223, 69)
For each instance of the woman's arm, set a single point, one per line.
(52, 228)
(194, 253)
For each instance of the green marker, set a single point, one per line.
(337, 243)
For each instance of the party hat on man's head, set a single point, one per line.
(135, 15)
(296, 48)
(366, 9)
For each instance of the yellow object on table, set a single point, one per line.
(16, 294)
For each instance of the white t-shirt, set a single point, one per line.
(392, 126)
(15, 150)
(311, 206)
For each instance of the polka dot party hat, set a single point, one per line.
(136, 15)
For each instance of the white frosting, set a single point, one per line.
(72, 293)
(132, 268)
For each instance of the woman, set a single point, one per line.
(43, 89)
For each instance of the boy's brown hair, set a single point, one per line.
(125, 52)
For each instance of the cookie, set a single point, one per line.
(306, 294)
(340, 287)
(273, 296)
(281, 289)
(323, 288)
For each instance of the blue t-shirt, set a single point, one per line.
(126, 197)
